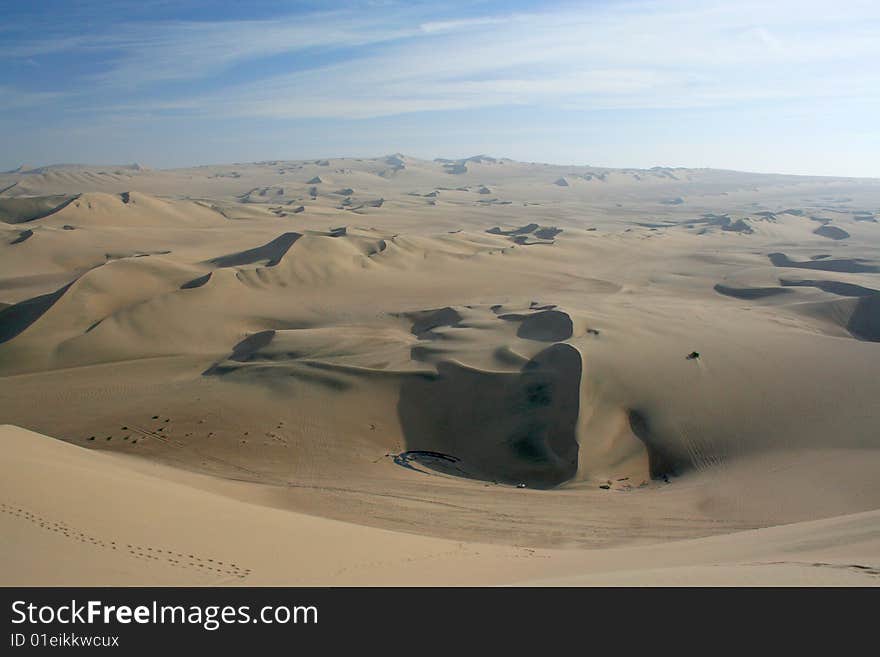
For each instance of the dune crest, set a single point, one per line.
(616, 373)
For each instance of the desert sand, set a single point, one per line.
(470, 372)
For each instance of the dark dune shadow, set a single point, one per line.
(749, 293)
(834, 287)
(433, 460)
(547, 233)
(864, 323)
(196, 282)
(23, 210)
(278, 378)
(376, 249)
(831, 232)
(844, 265)
(661, 460)
(271, 253)
(723, 221)
(525, 240)
(245, 350)
(522, 230)
(546, 325)
(517, 427)
(16, 318)
(506, 355)
(22, 236)
(426, 321)
(645, 224)
(738, 226)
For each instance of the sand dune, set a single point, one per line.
(831, 232)
(864, 323)
(23, 236)
(23, 210)
(16, 318)
(120, 521)
(749, 293)
(269, 254)
(847, 265)
(477, 374)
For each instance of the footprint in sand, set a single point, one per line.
(179, 559)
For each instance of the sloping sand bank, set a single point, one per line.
(75, 517)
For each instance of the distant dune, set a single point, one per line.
(461, 371)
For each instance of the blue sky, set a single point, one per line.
(782, 85)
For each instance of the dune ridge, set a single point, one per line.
(615, 375)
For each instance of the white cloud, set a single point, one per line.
(631, 56)
(646, 54)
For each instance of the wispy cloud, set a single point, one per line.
(15, 99)
(638, 54)
(645, 55)
(121, 62)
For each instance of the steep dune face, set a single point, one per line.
(24, 210)
(132, 209)
(864, 323)
(513, 422)
(844, 265)
(201, 531)
(750, 293)
(409, 364)
(16, 318)
(546, 325)
(269, 254)
(516, 428)
(98, 209)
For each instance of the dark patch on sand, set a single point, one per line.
(16, 318)
(522, 230)
(522, 234)
(831, 232)
(22, 236)
(844, 265)
(245, 351)
(271, 253)
(834, 287)
(425, 321)
(23, 210)
(514, 428)
(661, 461)
(196, 282)
(864, 321)
(545, 325)
(749, 293)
